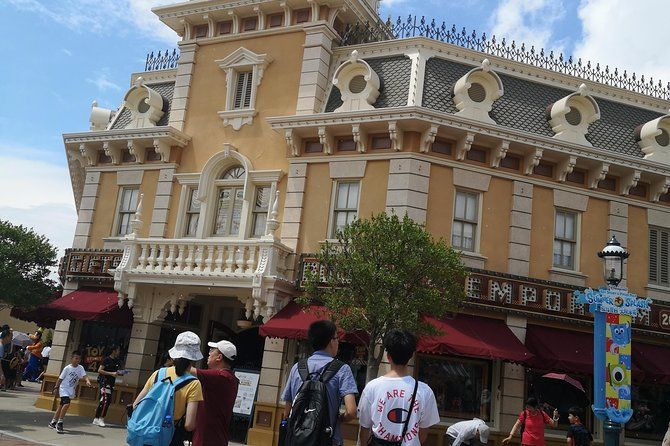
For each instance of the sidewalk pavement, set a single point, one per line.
(21, 424)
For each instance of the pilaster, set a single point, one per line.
(407, 190)
(617, 224)
(86, 208)
(315, 66)
(159, 216)
(271, 381)
(295, 194)
(142, 349)
(182, 85)
(518, 258)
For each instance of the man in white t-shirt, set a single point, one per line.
(464, 432)
(385, 401)
(66, 386)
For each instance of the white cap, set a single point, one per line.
(226, 348)
(186, 346)
(484, 432)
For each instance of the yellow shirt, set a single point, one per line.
(191, 392)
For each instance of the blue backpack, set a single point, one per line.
(151, 423)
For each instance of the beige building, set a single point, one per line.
(202, 197)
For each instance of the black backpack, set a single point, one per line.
(309, 420)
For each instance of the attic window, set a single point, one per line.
(249, 24)
(663, 138)
(225, 27)
(200, 31)
(477, 92)
(357, 84)
(143, 106)
(302, 15)
(574, 117)
(275, 20)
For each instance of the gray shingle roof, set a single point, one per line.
(166, 90)
(524, 104)
(394, 73)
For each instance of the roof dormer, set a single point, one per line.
(145, 105)
(476, 91)
(358, 84)
(654, 139)
(571, 116)
(100, 117)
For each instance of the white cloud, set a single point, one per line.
(66, 51)
(627, 35)
(527, 21)
(103, 82)
(37, 194)
(102, 16)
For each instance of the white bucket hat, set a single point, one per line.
(186, 346)
(226, 348)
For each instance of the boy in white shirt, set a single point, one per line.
(384, 410)
(66, 386)
(464, 432)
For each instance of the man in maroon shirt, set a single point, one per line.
(219, 387)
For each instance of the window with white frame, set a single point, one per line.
(260, 211)
(565, 239)
(192, 213)
(659, 256)
(127, 208)
(230, 194)
(243, 90)
(345, 209)
(464, 228)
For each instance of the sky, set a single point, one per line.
(60, 55)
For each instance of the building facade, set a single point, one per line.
(202, 197)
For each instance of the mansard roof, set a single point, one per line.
(522, 107)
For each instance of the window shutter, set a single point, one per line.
(653, 256)
(247, 91)
(663, 261)
(239, 90)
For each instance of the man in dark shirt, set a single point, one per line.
(107, 373)
(219, 387)
(578, 434)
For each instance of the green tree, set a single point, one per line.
(385, 272)
(25, 262)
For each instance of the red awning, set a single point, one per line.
(560, 350)
(293, 320)
(83, 305)
(474, 336)
(654, 360)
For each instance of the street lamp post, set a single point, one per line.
(614, 310)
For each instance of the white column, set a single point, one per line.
(142, 350)
(315, 66)
(182, 85)
(159, 216)
(271, 381)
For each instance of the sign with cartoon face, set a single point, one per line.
(618, 366)
(613, 310)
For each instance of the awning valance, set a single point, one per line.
(83, 305)
(474, 336)
(654, 360)
(293, 321)
(560, 350)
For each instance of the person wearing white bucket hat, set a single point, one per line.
(185, 352)
(219, 386)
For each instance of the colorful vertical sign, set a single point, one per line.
(613, 310)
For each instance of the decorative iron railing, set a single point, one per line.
(161, 61)
(420, 27)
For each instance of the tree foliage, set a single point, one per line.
(25, 261)
(384, 273)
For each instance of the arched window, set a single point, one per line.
(229, 202)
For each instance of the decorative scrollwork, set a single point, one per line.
(420, 27)
(162, 61)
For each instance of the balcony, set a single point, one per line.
(89, 264)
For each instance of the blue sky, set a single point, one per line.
(60, 55)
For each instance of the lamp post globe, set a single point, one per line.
(613, 255)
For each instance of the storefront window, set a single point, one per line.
(96, 338)
(651, 411)
(560, 392)
(462, 386)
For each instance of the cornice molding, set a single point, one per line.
(465, 125)
(175, 136)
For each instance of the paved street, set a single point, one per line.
(21, 424)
